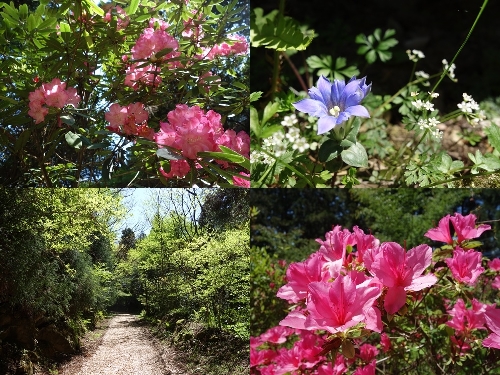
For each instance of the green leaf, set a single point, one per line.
(278, 32)
(94, 8)
(96, 146)
(329, 150)
(269, 111)
(254, 122)
(355, 155)
(163, 52)
(493, 133)
(268, 131)
(76, 140)
(254, 96)
(371, 56)
(68, 119)
(167, 154)
(134, 4)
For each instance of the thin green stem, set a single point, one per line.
(462, 46)
(276, 58)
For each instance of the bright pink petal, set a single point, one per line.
(394, 299)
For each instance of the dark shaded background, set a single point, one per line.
(437, 28)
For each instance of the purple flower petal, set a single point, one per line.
(325, 87)
(311, 107)
(326, 123)
(358, 110)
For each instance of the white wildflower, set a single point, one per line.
(417, 104)
(289, 120)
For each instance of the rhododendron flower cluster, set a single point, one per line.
(354, 286)
(129, 120)
(53, 94)
(239, 47)
(147, 75)
(191, 130)
(153, 41)
(122, 19)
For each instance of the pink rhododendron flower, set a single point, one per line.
(191, 130)
(494, 264)
(465, 320)
(147, 75)
(116, 115)
(339, 305)
(465, 266)
(122, 20)
(465, 228)
(237, 181)
(153, 41)
(129, 120)
(52, 94)
(492, 318)
(178, 168)
(401, 271)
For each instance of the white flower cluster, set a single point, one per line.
(471, 109)
(451, 72)
(431, 124)
(280, 141)
(419, 104)
(415, 55)
(293, 135)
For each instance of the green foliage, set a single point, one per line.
(326, 68)
(376, 45)
(278, 32)
(266, 277)
(72, 147)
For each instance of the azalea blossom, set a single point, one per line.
(465, 228)
(465, 266)
(465, 320)
(492, 318)
(342, 304)
(335, 102)
(277, 334)
(494, 264)
(401, 271)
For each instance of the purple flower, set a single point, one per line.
(335, 102)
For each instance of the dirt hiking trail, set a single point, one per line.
(126, 348)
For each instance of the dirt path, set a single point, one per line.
(126, 348)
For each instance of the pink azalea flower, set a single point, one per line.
(494, 264)
(465, 266)
(300, 275)
(261, 357)
(336, 242)
(338, 368)
(237, 181)
(277, 334)
(363, 242)
(366, 370)
(492, 318)
(465, 320)
(465, 228)
(401, 271)
(367, 352)
(385, 342)
(340, 305)
(496, 283)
